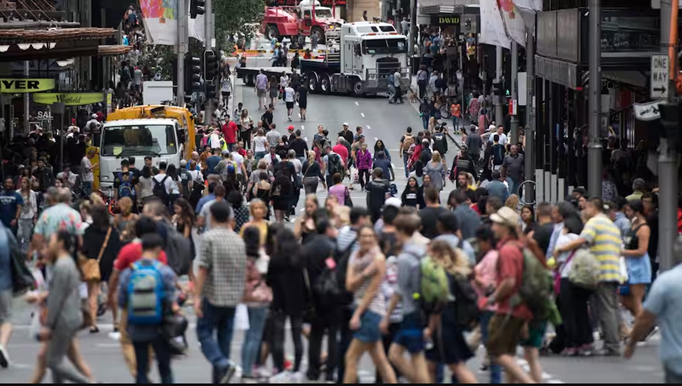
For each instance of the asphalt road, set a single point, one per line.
(381, 121)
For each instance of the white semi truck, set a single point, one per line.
(368, 52)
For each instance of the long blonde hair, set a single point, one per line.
(311, 157)
(453, 261)
(512, 202)
(435, 157)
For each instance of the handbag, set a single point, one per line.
(90, 267)
(22, 278)
(309, 308)
(585, 269)
(347, 201)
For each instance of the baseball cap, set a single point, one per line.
(345, 124)
(94, 116)
(290, 128)
(506, 216)
(226, 152)
(638, 183)
(394, 202)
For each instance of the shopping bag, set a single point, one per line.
(241, 318)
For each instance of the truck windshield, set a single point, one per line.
(384, 46)
(140, 140)
(323, 13)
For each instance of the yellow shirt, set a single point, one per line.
(604, 239)
(262, 227)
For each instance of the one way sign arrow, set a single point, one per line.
(660, 89)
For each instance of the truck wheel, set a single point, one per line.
(357, 89)
(325, 84)
(320, 34)
(272, 32)
(313, 82)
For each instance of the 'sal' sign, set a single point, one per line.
(14, 86)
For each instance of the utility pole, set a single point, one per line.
(529, 149)
(413, 28)
(182, 49)
(210, 44)
(499, 108)
(27, 101)
(514, 122)
(668, 157)
(594, 146)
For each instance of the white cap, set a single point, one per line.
(394, 202)
(346, 124)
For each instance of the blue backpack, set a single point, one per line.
(146, 294)
(126, 189)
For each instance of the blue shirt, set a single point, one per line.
(665, 302)
(9, 202)
(211, 163)
(498, 189)
(5, 268)
(468, 221)
(203, 201)
(385, 165)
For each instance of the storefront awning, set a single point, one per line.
(19, 36)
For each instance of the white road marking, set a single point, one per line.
(376, 139)
(299, 115)
(302, 127)
(362, 114)
(369, 127)
(305, 139)
(356, 103)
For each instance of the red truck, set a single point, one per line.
(307, 18)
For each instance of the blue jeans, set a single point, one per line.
(257, 318)
(217, 351)
(406, 157)
(455, 123)
(495, 369)
(87, 188)
(425, 121)
(260, 154)
(163, 357)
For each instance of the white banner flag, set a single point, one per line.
(492, 25)
(514, 25)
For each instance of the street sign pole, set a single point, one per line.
(594, 145)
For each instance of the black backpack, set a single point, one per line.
(160, 190)
(344, 298)
(335, 165)
(465, 302)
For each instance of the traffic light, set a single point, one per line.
(670, 124)
(211, 66)
(196, 7)
(210, 90)
(192, 74)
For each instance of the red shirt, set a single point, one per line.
(510, 264)
(242, 152)
(342, 151)
(230, 132)
(132, 253)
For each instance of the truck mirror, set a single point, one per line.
(181, 136)
(357, 50)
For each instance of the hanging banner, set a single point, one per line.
(69, 99)
(15, 86)
(161, 22)
(513, 23)
(492, 26)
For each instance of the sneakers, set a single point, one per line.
(651, 333)
(4, 358)
(605, 352)
(227, 374)
(289, 118)
(297, 377)
(283, 377)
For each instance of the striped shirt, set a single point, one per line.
(605, 243)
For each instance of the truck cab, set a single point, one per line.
(368, 53)
(308, 18)
(139, 138)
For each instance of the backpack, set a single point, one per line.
(342, 258)
(390, 80)
(159, 190)
(407, 142)
(178, 252)
(498, 154)
(439, 143)
(465, 301)
(185, 178)
(536, 288)
(434, 287)
(146, 294)
(126, 189)
(335, 165)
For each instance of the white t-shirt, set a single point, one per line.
(289, 94)
(239, 160)
(283, 81)
(196, 175)
(86, 167)
(171, 186)
(297, 164)
(503, 139)
(72, 177)
(227, 85)
(214, 141)
(260, 144)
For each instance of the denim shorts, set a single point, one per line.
(369, 331)
(411, 333)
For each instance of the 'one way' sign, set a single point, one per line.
(659, 77)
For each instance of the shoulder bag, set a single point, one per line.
(90, 267)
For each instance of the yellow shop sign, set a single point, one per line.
(13, 86)
(448, 20)
(69, 99)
